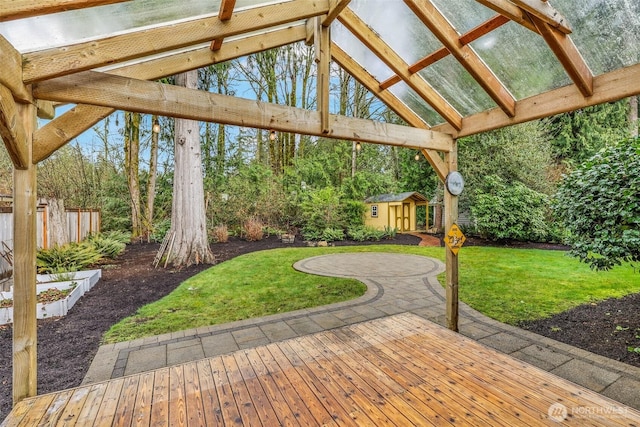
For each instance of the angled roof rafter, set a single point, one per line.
(400, 108)
(511, 11)
(50, 63)
(225, 13)
(440, 27)
(568, 55)
(18, 9)
(471, 35)
(384, 52)
(545, 13)
(335, 7)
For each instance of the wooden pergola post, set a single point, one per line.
(24, 273)
(451, 259)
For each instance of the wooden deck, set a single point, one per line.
(400, 370)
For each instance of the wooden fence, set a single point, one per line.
(80, 223)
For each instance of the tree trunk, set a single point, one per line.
(188, 219)
(57, 223)
(153, 174)
(132, 165)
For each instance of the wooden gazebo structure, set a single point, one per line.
(448, 68)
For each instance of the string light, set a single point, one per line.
(358, 146)
(272, 135)
(156, 126)
(417, 157)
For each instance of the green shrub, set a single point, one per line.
(509, 211)
(111, 244)
(70, 257)
(390, 232)
(363, 233)
(352, 212)
(321, 210)
(332, 234)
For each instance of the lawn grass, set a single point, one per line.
(509, 285)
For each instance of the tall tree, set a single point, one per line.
(153, 174)
(188, 218)
(132, 169)
(633, 116)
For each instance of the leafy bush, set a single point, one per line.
(352, 212)
(363, 233)
(253, 229)
(390, 232)
(111, 244)
(70, 257)
(509, 211)
(599, 204)
(332, 234)
(321, 210)
(221, 233)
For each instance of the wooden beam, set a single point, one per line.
(511, 11)
(472, 35)
(568, 55)
(323, 59)
(397, 64)
(12, 130)
(25, 326)
(45, 109)
(476, 67)
(612, 86)
(335, 7)
(50, 63)
(63, 129)
(399, 107)
(166, 100)
(225, 13)
(451, 259)
(11, 75)
(18, 9)
(545, 13)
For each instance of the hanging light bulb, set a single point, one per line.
(417, 157)
(358, 146)
(272, 135)
(156, 126)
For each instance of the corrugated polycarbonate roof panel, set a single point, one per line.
(606, 32)
(463, 14)
(65, 28)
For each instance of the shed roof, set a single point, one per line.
(396, 197)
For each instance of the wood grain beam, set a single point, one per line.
(544, 12)
(225, 13)
(63, 129)
(11, 75)
(472, 35)
(166, 100)
(323, 59)
(12, 130)
(18, 9)
(400, 108)
(511, 11)
(49, 63)
(449, 37)
(45, 109)
(383, 51)
(568, 55)
(335, 8)
(608, 87)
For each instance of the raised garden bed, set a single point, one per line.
(57, 296)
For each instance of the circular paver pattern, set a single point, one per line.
(370, 264)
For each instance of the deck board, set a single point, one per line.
(399, 370)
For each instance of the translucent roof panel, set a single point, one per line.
(415, 103)
(59, 29)
(457, 86)
(464, 14)
(341, 36)
(521, 59)
(398, 27)
(607, 32)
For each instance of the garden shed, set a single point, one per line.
(397, 211)
(448, 69)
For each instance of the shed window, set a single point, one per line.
(374, 211)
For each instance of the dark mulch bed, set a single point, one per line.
(67, 345)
